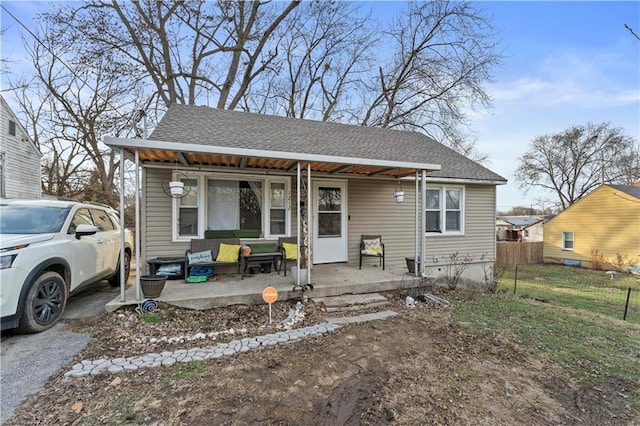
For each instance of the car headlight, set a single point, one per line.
(7, 260)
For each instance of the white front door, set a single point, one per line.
(329, 221)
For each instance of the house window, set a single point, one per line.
(329, 212)
(12, 127)
(234, 204)
(229, 203)
(445, 208)
(188, 209)
(567, 241)
(278, 210)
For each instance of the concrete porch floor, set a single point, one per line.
(327, 280)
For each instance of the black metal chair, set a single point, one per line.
(372, 246)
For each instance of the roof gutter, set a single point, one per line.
(296, 156)
(465, 181)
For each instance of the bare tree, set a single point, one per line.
(325, 55)
(300, 59)
(78, 102)
(63, 162)
(442, 53)
(574, 162)
(185, 49)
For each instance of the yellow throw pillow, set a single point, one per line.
(228, 252)
(290, 251)
(372, 247)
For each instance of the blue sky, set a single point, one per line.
(567, 63)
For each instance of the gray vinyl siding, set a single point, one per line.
(21, 164)
(372, 210)
(157, 217)
(479, 236)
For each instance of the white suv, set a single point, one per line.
(49, 249)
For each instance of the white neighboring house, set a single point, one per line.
(520, 228)
(20, 172)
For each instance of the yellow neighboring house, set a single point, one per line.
(602, 229)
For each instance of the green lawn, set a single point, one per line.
(593, 291)
(592, 346)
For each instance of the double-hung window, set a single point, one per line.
(445, 210)
(567, 240)
(228, 202)
(188, 207)
(278, 208)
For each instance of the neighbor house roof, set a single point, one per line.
(632, 190)
(230, 138)
(521, 221)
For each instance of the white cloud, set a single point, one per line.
(580, 78)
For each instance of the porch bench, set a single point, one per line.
(261, 253)
(213, 244)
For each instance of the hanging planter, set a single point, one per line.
(399, 193)
(177, 184)
(176, 188)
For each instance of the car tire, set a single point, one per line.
(114, 281)
(45, 303)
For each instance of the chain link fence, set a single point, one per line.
(609, 293)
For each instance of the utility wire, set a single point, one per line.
(64, 63)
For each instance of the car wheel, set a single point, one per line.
(114, 281)
(45, 302)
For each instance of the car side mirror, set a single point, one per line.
(84, 230)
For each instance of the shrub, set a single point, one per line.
(597, 260)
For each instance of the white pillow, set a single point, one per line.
(200, 257)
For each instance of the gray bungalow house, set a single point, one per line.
(245, 171)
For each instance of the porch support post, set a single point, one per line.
(416, 208)
(137, 239)
(298, 224)
(423, 223)
(309, 226)
(122, 283)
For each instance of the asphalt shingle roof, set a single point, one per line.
(632, 190)
(521, 221)
(234, 129)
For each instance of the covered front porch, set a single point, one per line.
(324, 184)
(328, 280)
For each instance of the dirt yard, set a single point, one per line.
(417, 368)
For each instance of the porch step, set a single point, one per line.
(350, 302)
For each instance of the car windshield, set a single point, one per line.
(15, 219)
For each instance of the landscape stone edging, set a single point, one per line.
(153, 359)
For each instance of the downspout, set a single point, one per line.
(423, 222)
(122, 283)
